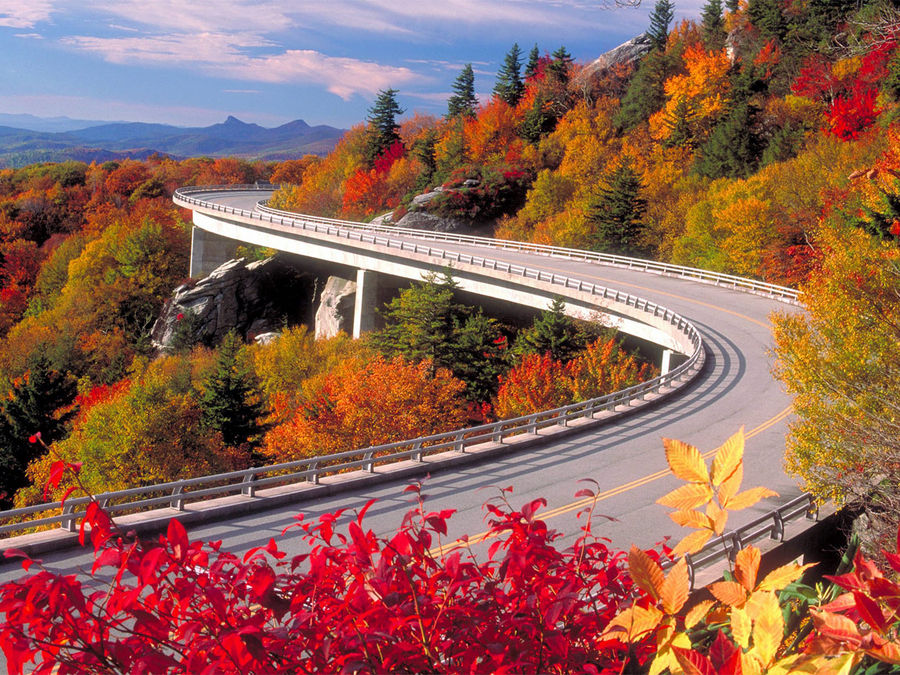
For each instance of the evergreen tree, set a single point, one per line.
(681, 125)
(645, 94)
(560, 67)
(732, 5)
(733, 148)
(617, 212)
(534, 60)
(36, 404)
(383, 127)
(463, 103)
(230, 402)
(509, 86)
(538, 121)
(425, 153)
(660, 20)
(713, 25)
(554, 332)
(427, 322)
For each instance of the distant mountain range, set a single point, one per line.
(30, 139)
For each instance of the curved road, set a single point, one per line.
(626, 458)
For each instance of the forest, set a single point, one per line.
(762, 140)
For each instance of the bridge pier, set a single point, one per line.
(366, 302)
(209, 250)
(666, 364)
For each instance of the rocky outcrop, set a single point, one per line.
(625, 53)
(335, 312)
(422, 220)
(250, 298)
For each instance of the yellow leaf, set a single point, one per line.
(685, 461)
(692, 542)
(676, 588)
(728, 458)
(718, 517)
(688, 496)
(691, 518)
(729, 592)
(663, 661)
(740, 627)
(750, 664)
(731, 485)
(645, 571)
(768, 628)
(697, 612)
(748, 498)
(746, 566)
(782, 576)
(633, 624)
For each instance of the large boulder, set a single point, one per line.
(422, 220)
(626, 53)
(249, 298)
(335, 312)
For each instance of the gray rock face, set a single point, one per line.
(627, 52)
(422, 220)
(249, 298)
(335, 313)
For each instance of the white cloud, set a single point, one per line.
(226, 55)
(30, 36)
(24, 13)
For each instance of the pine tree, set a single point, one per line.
(660, 20)
(733, 148)
(424, 150)
(732, 5)
(230, 402)
(463, 103)
(646, 93)
(617, 212)
(383, 127)
(36, 404)
(554, 332)
(714, 34)
(561, 65)
(509, 86)
(681, 125)
(534, 61)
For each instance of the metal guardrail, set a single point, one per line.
(727, 545)
(716, 278)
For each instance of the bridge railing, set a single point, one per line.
(716, 278)
(771, 525)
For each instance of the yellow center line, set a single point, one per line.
(639, 482)
(612, 492)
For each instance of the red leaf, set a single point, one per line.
(177, 537)
(722, 651)
(693, 662)
(869, 611)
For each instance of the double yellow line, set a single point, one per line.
(612, 492)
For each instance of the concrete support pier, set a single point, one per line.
(366, 302)
(666, 364)
(209, 250)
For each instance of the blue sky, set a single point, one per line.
(193, 62)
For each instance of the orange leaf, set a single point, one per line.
(646, 572)
(731, 485)
(836, 627)
(782, 576)
(746, 566)
(676, 588)
(717, 516)
(691, 518)
(728, 458)
(696, 613)
(729, 592)
(688, 496)
(889, 652)
(748, 498)
(693, 542)
(633, 624)
(685, 461)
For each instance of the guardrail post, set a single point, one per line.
(460, 442)
(314, 478)
(778, 532)
(532, 424)
(690, 570)
(562, 419)
(68, 524)
(417, 446)
(177, 501)
(370, 465)
(248, 485)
